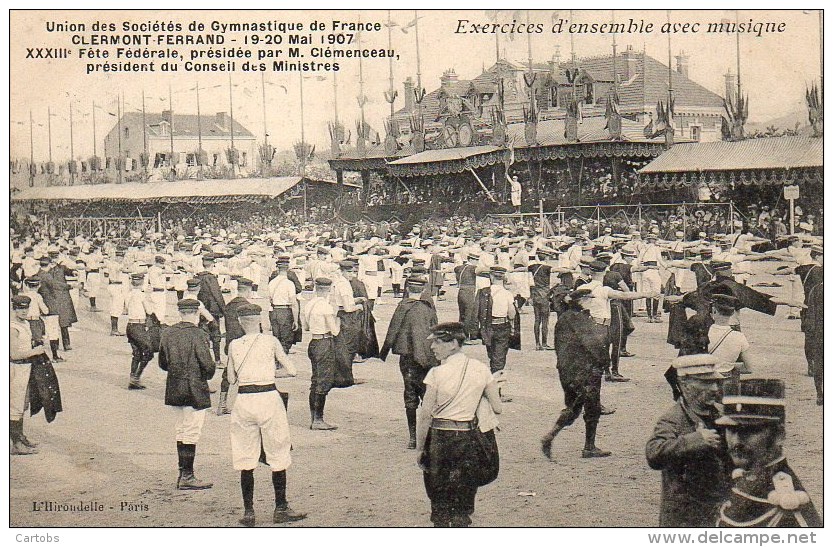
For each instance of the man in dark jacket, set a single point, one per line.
(55, 292)
(496, 315)
(466, 275)
(408, 337)
(185, 355)
(212, 299)
(687, 448)
(766, 492)
(233, 331)
(582, 355)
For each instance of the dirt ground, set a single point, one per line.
(116, 447)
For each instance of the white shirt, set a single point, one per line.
(252, 359)
(282, 291)
(599, 305)
(315, 312)
(135, 305)
(502, 301)
(727, 344)
(445, 378)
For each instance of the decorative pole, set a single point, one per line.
(118, 161)
(231, 129)
(146, 157)
(71, 149)
(32, 149)
(199, 132)
(94, 166)
(303, 158)
(49, 130)
(171, 110)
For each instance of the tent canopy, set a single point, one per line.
(750, 154)
(202, 191)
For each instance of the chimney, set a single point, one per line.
(731, 84)
(682, 63)
(629, 62)
(221, 119)
(166, 115)
(409, 95)
(448, 77)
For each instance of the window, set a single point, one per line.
(588, 93)
(126, 132)
(695, 133)
(554, 97)
(243, 162)
(164, 129)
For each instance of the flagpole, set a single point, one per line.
(32, 150)
(71, 149)
(118, 161)
(171, 110)
(199, 133)
(49, 130)
(419, 66)
(231, 128)
(303, 158)
(615, 73)
(737, 45)
(145, 138)
(670, 120)
(390, 66)
(361, 85)
(94, 168)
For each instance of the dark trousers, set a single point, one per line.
(283, 326)
(38, 330)
(447, 478)
(584, 396)
(467, 306)
(327, 371)
(213, 329)
(413, 378)
(137, 336)
(617, 335)
(814, 351)
(541, 312)
(498, 347)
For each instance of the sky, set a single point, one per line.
(775, 68)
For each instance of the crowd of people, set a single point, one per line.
(323, 281)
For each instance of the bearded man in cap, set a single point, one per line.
(766, 491)
(688, 449)
(258, 422)
(407, 337)
(212, 298)
(21, 352)
(185, 355)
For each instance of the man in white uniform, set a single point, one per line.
(258, 419)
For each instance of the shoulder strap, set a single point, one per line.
(721, 340)
(245, 357)
(456, 390)
(807, 275)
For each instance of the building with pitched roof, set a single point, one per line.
(182, 132)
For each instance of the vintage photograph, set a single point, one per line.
(411, 268)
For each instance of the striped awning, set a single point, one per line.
(203, 191)
(751, 154)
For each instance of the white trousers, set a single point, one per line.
(189, 424)
(18, 386)
(256, 418)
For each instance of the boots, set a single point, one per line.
(18, 448)
(222, 407)
(134, 383)
(410, 413)
(312, 399)
(23, 439)
(187, 480)
(318, 422)
(92, 304)
(546, 441)
(65, 338)
(590, 448)
(114, 326)
(53, 345)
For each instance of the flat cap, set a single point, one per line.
(704, 366)
(188, 304)
(20, 302)
(323, 282)
(248, 310)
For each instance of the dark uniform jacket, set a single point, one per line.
(210, 294)
(749, 503)
(55, 292)
(695, 477)
(184, 353)
(541, 278)
(580, 345)
(484, 314)
(409, 329)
